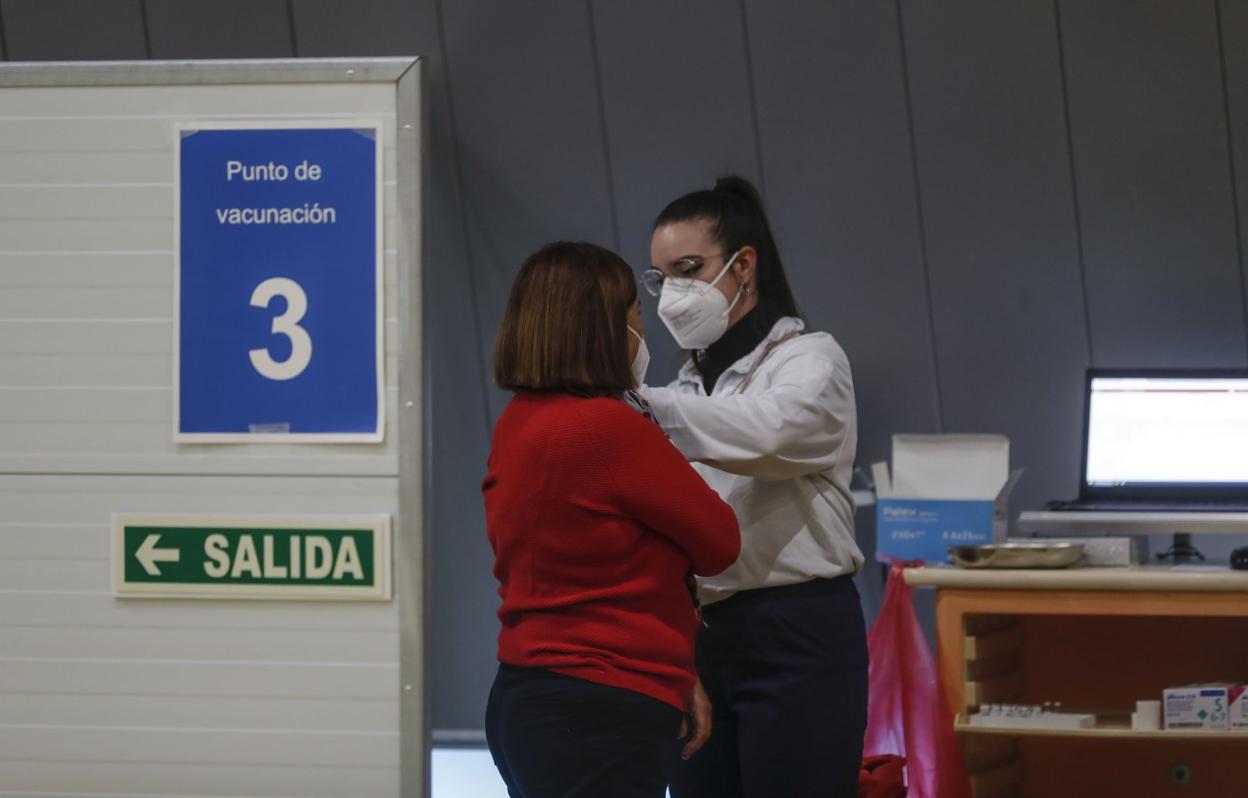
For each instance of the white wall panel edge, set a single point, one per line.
(215, 72)
(411, 563)
(364, 465)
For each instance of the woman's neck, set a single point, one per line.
(741, 338)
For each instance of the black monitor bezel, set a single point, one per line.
(1231, 492)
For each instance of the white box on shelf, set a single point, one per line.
(1147, 716)
(1046, 720)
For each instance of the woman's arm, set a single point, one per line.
(799, 425)
(654, 483)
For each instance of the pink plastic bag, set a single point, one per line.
(907, 711)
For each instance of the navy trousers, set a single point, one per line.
(786, 672)
(553, 736)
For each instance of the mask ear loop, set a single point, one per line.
(740, 288)
(724, 270)
(734, 301)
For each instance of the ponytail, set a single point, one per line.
(735, 213)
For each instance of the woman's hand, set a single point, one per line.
(700, 713)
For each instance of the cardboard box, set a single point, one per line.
(944, 490)
(1200, 706)
(1239, 708)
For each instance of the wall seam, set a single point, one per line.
(1230, 154)
(4, 36)
(749, 80)
(290, 22)
(147, 29)
(453, 123)
(1074, 181)
(602, 122)
(918, 207)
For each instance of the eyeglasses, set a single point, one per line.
(652, 279)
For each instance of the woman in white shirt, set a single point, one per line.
(765, 410)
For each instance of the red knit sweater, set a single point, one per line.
(595, 520)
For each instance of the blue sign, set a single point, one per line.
(279, 300)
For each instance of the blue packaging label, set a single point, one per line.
(924, 529)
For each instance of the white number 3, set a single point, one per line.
(286, 324)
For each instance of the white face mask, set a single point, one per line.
(696, 313)
(641, 361)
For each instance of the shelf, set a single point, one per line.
(1184, 578)
(1106, 730)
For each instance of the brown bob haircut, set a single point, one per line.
(566, 324)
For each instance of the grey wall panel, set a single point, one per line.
(840, 185)
(676, 119)
(1153, 177)
(332, 28)
(220, 29)
(1234, 32)
(64, 30)
(525, 128)
(1002, 244)
(464, 599)
(525, 104)
(1233, 18)
(462, 623)
(464, 596)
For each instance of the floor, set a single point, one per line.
(465, 773)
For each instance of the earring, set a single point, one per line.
(745, 289)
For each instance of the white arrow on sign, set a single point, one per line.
(148, 555)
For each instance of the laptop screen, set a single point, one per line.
(1156, 434)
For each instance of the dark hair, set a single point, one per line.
(735, 212)
(565, 326)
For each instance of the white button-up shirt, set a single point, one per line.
(776, 439)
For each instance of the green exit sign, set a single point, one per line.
(275, 557)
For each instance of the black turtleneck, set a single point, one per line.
(738, 341)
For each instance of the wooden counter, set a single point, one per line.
(1097, 640)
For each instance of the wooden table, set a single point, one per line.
(1098, 640)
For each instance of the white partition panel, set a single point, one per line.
(108, 696)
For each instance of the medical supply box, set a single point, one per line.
(944, 490)
(1203, 706)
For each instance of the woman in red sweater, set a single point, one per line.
(596, 522)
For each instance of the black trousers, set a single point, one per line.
(786, 672)
(554, 736)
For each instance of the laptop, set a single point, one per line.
(1172, 440)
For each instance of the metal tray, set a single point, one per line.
(1017, 555)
